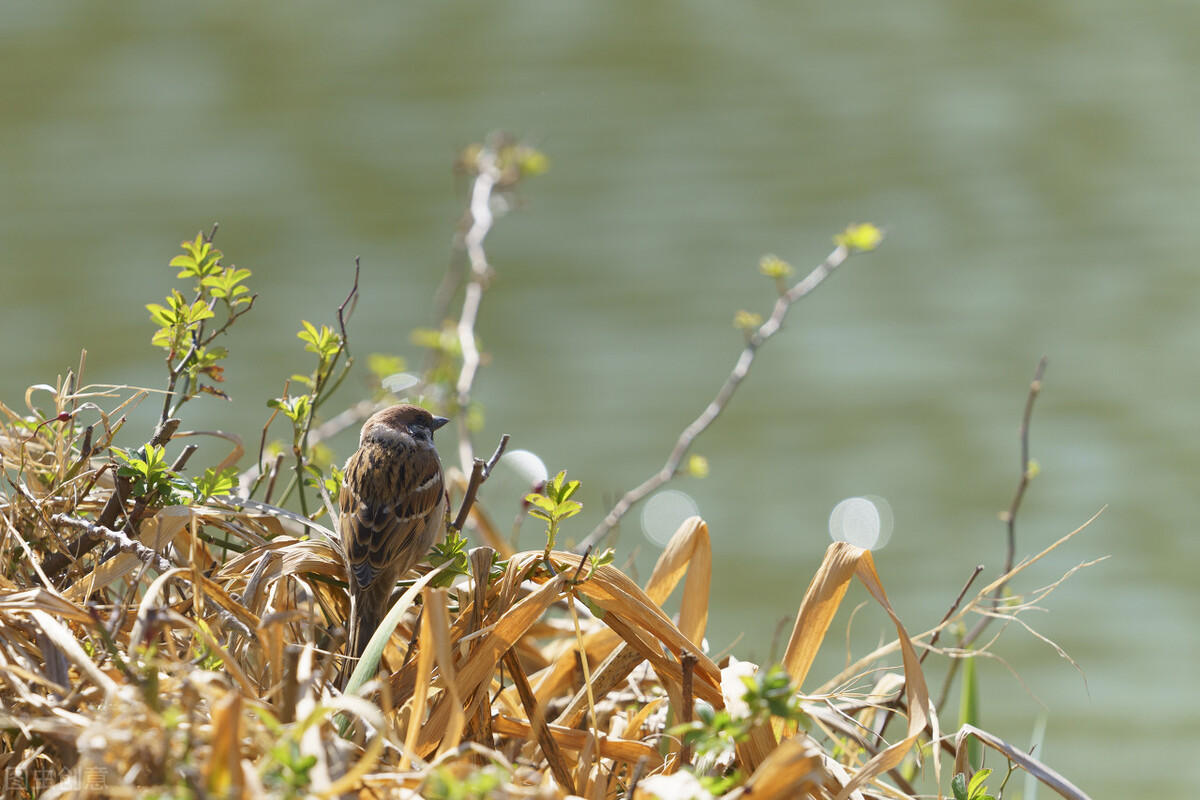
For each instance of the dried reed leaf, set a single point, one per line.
(368, 664)
(46, 600)
(690, 552)
(976, 605)
(486, 655)
(613, 591)
(1018, 756)
(537, 721)
(223, 772)
(288, 557)
(69, 646)
(828, 587)
(670, 673)
(635, 723)
(435, 634)
(794, 769)
(611, 673)
(416, 715)
(817, 610)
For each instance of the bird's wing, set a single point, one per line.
(387, 504)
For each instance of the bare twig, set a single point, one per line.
(537, 719)
(479, 473)
(937, 633)
(322, 391)
(687, 661)
(1010, 516)
(120, 541)
(487, 164)
(740, 370)
(1010, 519)
(57, 563)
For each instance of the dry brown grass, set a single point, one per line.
(201, 660)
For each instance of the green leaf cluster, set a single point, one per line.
(554, 505)
(973, 790)
(481, 784)
(769, 693)
(183, 321)
(202, 261)
(177, 320)
(150, 474)
(331, 348)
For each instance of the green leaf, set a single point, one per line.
(567, 509)
(958, 784)
(540, 501)
(227, 285)
(975, 787)
(199, 259)
(968, 710)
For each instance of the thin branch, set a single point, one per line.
(1010, 516)
(323, 387)
(489, 175)
(123, 543)
(57, 563)
(479, 474)
(323, 391)
(740, 370)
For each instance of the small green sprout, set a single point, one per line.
(151, 474)
(769, 693)
(859, 238)
(775, 267)
(177, 320)
(554, 506)
(747, 320)
(975, 790)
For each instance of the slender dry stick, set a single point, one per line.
(479, 473)
(537, 721)
(1010, 519)
(322, 388)
(57, 563)
(894, 703)
(1010, 516)
(147, 555)
(740, 370)
(933, 640)
(488, 165)
(687, 661)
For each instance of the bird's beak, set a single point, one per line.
(437, 423)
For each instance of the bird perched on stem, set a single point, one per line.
(393, 506)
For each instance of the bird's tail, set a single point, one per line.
(364, 621)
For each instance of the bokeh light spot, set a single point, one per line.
(664, 513)
(865, 522)
(527, 466)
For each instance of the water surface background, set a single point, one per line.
(1037, 166)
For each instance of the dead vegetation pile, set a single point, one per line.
(181, 637)
(198, 657)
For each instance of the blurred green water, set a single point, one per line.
(1036, 165)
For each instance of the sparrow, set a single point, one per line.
(393, 505)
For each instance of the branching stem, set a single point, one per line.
(740, 370)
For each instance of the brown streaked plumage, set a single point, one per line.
(393, 507)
